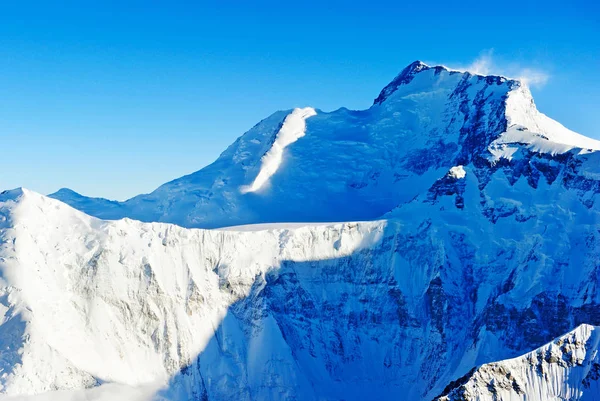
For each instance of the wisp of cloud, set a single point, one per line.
(486, 64)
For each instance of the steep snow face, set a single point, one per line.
(385, 309)
(86, 301)
(566, 369)
(527, 126)
(358, 165)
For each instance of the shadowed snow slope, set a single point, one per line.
(356, 165)
(489, 249)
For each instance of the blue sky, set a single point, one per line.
(112, 100)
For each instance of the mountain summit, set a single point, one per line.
(308, 165)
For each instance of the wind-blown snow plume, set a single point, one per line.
(483, 65)
(488, 64)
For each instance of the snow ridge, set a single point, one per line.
(566, 369)
(293, 128)
(337, 311)
(526, 125)
(359, 165)
(86, 301)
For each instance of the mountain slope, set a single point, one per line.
(566, 369)
(86, 301)
(391, 309)
(358, 165)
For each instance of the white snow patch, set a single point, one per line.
(457, 172)
(293, 128)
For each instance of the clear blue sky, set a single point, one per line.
(112, 100)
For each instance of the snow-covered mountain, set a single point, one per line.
(480, 243)
(307, 165)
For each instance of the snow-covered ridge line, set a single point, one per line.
(568, 368)
(293, 128)
(541, 134)
(408, 73)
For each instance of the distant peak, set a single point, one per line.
(415, 66)
(65, 192)
(410, 71)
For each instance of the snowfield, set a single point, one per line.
(465, 266)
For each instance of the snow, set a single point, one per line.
(216, 293)
(553, 372)
(293, 128)
(104, 392)
(345, 165)
(128, 305)
(526, 125)
(125, 302)
(457, 172)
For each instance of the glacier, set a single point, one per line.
(420, 249)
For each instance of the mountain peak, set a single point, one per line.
(18, 197)
(405, 76)
(346, 165)
(13, 202)
(413, 69)
(13, 194)
(416, 66)
(66, 191)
